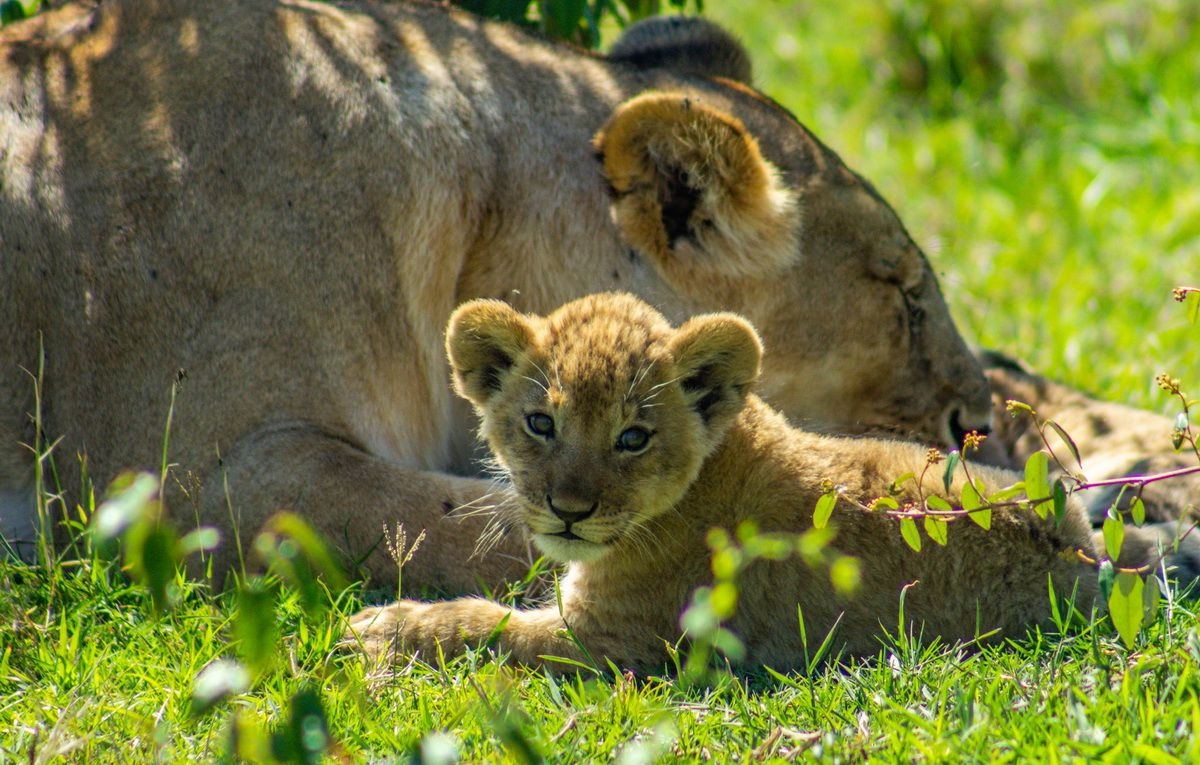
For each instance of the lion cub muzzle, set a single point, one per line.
(571, 510)
(564, 533)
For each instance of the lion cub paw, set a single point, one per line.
(384, 632)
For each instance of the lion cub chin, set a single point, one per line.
(627, 440)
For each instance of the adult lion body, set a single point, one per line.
(1114, 441)
(628, 440)
(278, 204)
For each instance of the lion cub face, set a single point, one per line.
(601, 412)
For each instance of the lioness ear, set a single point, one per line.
(718, 357)
(685, 44)
(692, 191)
(484, 339)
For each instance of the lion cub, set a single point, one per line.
(627, 440)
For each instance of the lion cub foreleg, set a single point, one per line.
(449, 628)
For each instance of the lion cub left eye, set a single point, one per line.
(540, 424)
(633, 440)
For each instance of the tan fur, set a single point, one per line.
(633, 525)
(280, 206)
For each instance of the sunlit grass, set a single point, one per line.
(1054, 184)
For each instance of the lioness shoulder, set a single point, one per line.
(627, 440)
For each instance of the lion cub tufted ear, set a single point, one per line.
(693, 192)
(484, 340)
(717, 357)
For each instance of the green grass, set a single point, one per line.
(1052, 177)
(88, 674)
(1050, 173)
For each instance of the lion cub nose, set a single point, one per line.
(570, 509)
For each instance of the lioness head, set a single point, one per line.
(601, 413)
(738, 206)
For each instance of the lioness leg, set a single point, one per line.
(352, 497)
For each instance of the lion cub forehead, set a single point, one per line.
(611, 338)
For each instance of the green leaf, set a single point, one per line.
(219, 680)
(205, 539)
(10, 11)
(824, 509)
(156, 563)
(699, 621)
(1137, 511)
(493, 638)
(255, 633)
(1150, 598)
(1060, 501)
(1104, 579)
(1037, 482)
(1126, 607)
(723, 599)
(311, 544)
(726, 562)
(294, 551)
(937, 529)
(973, 501)
(1066, 439)
(845, 574)
(885, 503)
(952, 460)
(982, 518)
(247, 740)
(131, 499)
(1007, 493)
(1179, 430)
(1114, 536)
(1154, 756)
(304, 738)
(562, 17)
(908, 530)
(900, 480)
(938, 504)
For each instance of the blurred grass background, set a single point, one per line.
(1046, 156)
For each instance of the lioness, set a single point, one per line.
(274, 206)
(1113, 440)
(627, 440)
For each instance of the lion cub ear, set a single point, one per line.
(717, 357)
(484, 340)
(692, 191)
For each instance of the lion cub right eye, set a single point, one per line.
(540, 424)
(633, 440)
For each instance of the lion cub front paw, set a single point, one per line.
(386, 632)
